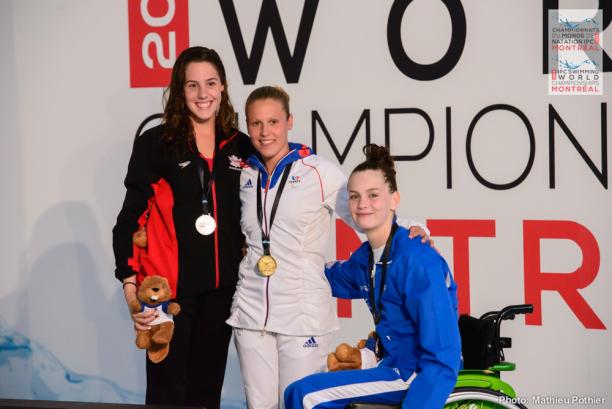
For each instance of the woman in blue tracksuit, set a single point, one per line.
(412, 296)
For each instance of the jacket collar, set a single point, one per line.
(296, 152)
(400, 230)
(221, 139)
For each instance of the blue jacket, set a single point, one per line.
(419, 320)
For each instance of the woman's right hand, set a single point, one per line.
(141, 319)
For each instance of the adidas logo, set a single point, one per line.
(311, 343)
(248, 184)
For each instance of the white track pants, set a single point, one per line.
(269, 362)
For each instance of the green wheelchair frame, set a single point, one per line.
(481, 388)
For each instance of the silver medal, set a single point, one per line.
(205, 224)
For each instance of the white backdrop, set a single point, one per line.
(68, 118)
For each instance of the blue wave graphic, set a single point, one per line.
(29, 371)
(574, 66)
(577, 24)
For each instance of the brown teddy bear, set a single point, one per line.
(154, 293)
(349, 357)
(140, 238)
(345, 357)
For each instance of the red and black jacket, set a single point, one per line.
(164, 192)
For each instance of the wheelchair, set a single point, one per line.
(479, 385)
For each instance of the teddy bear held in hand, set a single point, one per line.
(360, 357)
(345, 357)
(154, 293)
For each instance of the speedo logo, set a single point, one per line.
(311, 343)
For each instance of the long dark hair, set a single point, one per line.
(178, 131)
(379, 158)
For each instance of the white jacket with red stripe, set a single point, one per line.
(296, 299)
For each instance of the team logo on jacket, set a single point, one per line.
(311, 343)
(235, 162)
(248, 184)
(294, 181)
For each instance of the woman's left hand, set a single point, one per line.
(416, 231)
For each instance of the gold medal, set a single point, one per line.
(266, 265)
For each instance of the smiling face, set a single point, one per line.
(203, 89)
(268, 125)
(372, 204)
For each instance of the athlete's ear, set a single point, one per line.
(395, 200)
(290, 122)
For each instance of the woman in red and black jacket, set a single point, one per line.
(183, 188)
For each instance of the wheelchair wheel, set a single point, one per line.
(478, 398)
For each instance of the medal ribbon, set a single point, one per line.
(205, 192)
(376, 307)
(265, 235)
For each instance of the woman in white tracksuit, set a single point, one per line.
(283, 313)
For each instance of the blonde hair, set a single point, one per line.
(268, 92)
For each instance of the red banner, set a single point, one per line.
(159, 31)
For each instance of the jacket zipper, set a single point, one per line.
(214, 198)
(263, 331)
(215, 215)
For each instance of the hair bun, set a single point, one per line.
(378, 154)
(378, 158)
